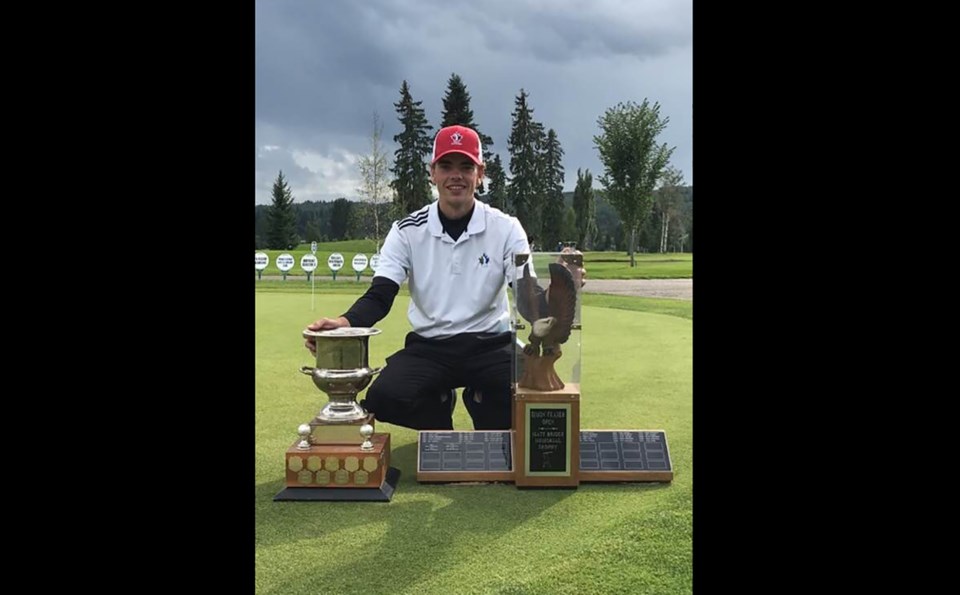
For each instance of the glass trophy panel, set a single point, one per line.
(545, 314)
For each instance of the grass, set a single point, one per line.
(343, 285)
(615, 538)
(599, 265)
(616, 265)
(680, 308)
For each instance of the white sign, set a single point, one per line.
(260, 261)
(335, 261)
(308, 262)
(285, 262)
(375, 261)
(313, 247)
(359, 262)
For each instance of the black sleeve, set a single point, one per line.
(373, 305)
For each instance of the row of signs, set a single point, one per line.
(308, 262)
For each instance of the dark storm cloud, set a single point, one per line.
(315, 66)
(563, 36)
(324, 68)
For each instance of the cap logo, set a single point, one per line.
(456, 138)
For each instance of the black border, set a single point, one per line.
(176, 119)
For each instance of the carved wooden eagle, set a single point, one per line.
(549, 313)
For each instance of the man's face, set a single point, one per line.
(457, 178)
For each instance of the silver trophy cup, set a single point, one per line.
(342, 370)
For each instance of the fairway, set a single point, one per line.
(600, 538)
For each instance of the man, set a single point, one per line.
(457, 256)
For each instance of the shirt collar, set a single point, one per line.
(478, 222)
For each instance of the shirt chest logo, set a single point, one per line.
(484, 259)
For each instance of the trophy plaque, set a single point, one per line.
(546, 447)
(546, 389)
(624, 455)
(339, 455)
(547, 428)
(475, 456)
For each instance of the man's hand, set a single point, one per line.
(324, 324)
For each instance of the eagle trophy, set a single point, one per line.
(551, 316)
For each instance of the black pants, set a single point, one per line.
(408, 390)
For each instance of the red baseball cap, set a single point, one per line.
(457, 139)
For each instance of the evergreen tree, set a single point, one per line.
(540, 178)
(497, 195)
(456, 105)
(314, 231)
(341, 219)
(552, 180)
(633, 161)
(522, 145)
(456, 110)
(411, 182)
(585, 208)
(281, 218)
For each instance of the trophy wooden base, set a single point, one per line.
(325, 432)
(546, 446)
(382, 493)
(338, 468)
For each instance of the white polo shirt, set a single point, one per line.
(455, 286)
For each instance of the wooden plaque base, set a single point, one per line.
(324, 432)
(546, 449)
(338, 466)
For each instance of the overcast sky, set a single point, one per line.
(323, 67)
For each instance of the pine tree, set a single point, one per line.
(456, 110)
(524, 183)
(456, 105)
(281, 218)
(341, 219)
(411, 175)
(497, 194)
(553, 211)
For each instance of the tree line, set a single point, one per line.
(643, 204)
(342, 219)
